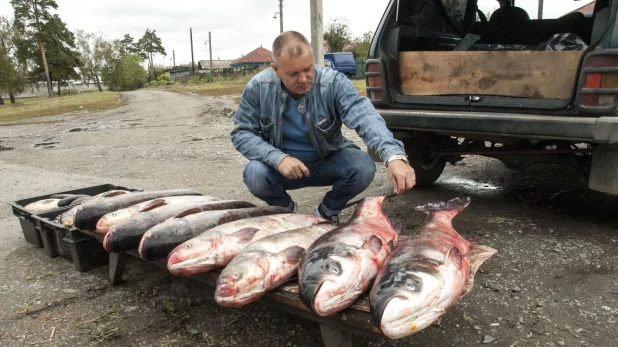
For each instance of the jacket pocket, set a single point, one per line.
(266, 128)
(330, 130)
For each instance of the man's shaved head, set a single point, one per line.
(292, 43)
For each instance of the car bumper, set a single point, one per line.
(602, 130)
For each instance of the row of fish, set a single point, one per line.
(411, 283)
(56, 201)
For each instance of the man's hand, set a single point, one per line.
(293, 168)
(402, 176)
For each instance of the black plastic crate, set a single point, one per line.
(48, 234)
(31, 234)
(83, 250)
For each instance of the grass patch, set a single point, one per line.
(218, 87)
(234, 86)
(29, 108)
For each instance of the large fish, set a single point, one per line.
(217, 246)
(264, 265)
(341, 264)
(127, 234)
(42, 206)
(426, 274)
(110, 219)
(159, 241)
(88, 214)
(68, 218)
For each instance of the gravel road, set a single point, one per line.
(554, 281)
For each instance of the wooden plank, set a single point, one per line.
(533, 74)
(336, 329)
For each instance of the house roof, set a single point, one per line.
(216, 64)
(586, 9)
(258, 56)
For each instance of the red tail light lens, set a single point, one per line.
(601, 82)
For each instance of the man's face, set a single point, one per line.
(297, 74)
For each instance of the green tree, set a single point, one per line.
(361, 45)
(11, 82)
(110, 53)
(91, 56)
(62, 58)
(337, 35)
(131, 74)
(128, 46)
(30, 17)
(149, 45)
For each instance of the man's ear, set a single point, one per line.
(275, 69)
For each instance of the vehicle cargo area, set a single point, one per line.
(454, 48)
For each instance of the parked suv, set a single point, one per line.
(451, 81)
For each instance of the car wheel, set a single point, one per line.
(427, 169)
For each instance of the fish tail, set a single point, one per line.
(455, 205)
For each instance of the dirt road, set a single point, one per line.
(554, 281)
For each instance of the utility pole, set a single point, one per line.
(317, 32)
(174, 57)
(540, 14)
(280, 16)
(210, 48)
(192, 62)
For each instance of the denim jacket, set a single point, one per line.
(331, 102)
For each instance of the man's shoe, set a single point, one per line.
(319, 211)
(293, 206)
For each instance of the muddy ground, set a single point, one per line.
(554, 281)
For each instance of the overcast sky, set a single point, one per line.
(237, 26)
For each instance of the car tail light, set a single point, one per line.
(600, 81)
(373, 77)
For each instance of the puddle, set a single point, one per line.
(46, 144)
(456, 183)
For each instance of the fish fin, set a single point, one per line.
(477, 255)
(397, 227)
(113, 193)
(153, 204)
(244, 235)
(188, 212)
(392, 245)
(452, 207)
(454, 256)
(291, 254)
(373, 244)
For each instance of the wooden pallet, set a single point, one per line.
(336, 329)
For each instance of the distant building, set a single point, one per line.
(258, 57)
(587, 9)
(217, 65)
(180, 71)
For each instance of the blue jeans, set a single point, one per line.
(350, 171)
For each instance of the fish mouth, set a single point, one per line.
(308, 293)
(190, 266)
(380, 307)
(238, 300)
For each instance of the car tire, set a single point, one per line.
(427, 169)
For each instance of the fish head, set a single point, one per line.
(194, 255)
(327, 278)
(110, 219)
(404, 302)
(236, 284)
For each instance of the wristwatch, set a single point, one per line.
(397, 157)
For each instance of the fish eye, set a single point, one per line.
(331, 266)
(236, 276)
(413, 283)
(188, 245)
